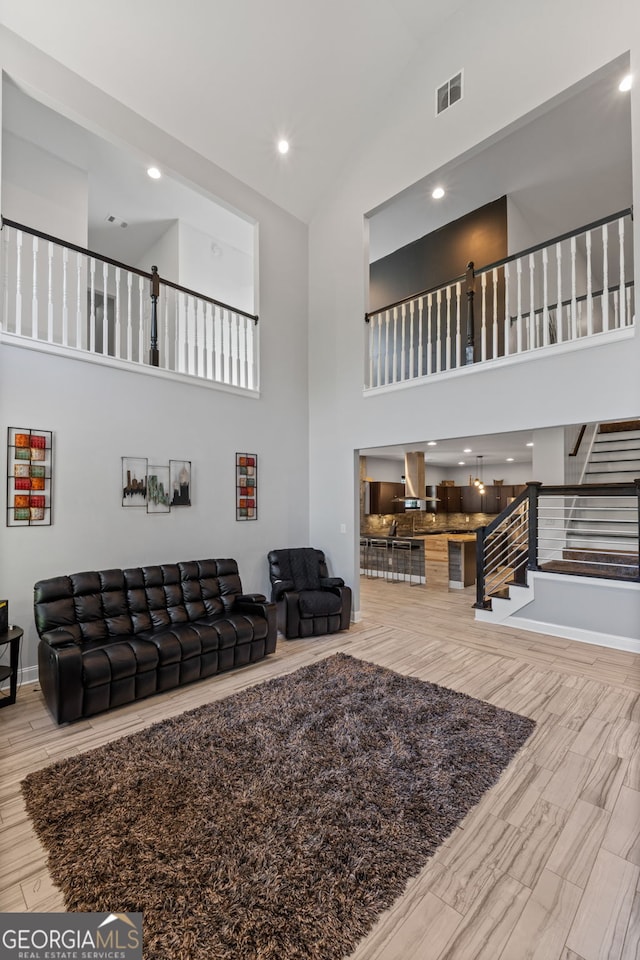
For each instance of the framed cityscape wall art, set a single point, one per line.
(134, 481)
(180, 482)
(246, 486)
(158, 489)
(29, 477)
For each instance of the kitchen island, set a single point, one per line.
(397, 559)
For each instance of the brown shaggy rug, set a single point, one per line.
(277, 823)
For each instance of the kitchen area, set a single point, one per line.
(409, 527)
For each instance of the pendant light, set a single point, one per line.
(478, 482)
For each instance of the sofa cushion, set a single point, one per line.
(319, 603)
(106, 663)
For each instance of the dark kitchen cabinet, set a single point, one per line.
(472, 500)
(450, 499)
(386, 497)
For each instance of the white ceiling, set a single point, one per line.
(230, 77)
(493, 448)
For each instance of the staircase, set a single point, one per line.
(602, 535)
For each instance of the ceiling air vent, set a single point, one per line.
(449, 93)
(116, 221)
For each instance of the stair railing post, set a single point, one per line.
(637, 483)
(481, 602)
(154, 353)
(470, 290)
(534, 492)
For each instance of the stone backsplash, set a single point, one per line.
(417, 521)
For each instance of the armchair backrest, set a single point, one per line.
(302, 567)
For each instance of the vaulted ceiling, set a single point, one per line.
(231, 77)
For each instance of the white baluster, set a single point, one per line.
(387, 324)
(92, 305)
(80, 301)
(616, 315)
(495, 311)
(412, 371)
(438, 331)
(105, 308)
(420, 336)
(378, 343)
(34, 290)
(129, 316)
(165, 358)
(403, 341)
(117, 333)
(448, 332)
(605, 277)
(519, 310)
(370, 335)
(545, 297)
(623, 299)
(458, 325)
(628, 308)
(574, 315)
(19, 282)
(589, 287)
(50, 293)
(394, 359)
(429, 333)
(6, 237)
(483, 320)
(507, 311)
(65, 297)
(531, 322)
(141, 301)
(559, 311)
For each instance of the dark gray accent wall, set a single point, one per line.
(440, 256)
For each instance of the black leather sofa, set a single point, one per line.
(113, 636)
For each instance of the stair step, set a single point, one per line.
(619, 426)
(601, 571)
(502, 594)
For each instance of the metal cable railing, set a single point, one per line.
(585, 529)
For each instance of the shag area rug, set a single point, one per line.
(277, 823)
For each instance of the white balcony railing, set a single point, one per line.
(577, 286)
(60, 295)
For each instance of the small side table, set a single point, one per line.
(13, 637)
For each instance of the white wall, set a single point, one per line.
(500, 87)
(164, 255)
(99, 414)
(215, 268)
(43, 192)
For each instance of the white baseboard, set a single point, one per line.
(629, 644)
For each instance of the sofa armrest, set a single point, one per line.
(279, 588)
(58, 637)
(251, 598)
(60, 676)
(260, 608)
(328, 583)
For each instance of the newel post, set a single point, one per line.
(533, 489)
(154, 353)
(470, 289)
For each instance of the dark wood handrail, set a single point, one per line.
(414, 296)
(576, 447)
(124, 266)
(510, 259)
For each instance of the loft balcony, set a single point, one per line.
(62, 298)
(574, 290)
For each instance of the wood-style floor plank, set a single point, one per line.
(545, 867)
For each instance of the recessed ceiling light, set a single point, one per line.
(530, 444)
(467, 450)
(626, 83)
(510, 459)
(437, 193)
(283, 146)
(461, 463)
(154, 173)
(432, 443)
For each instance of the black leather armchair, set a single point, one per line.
(310, 603)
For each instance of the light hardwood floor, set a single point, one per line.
(546, 867)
